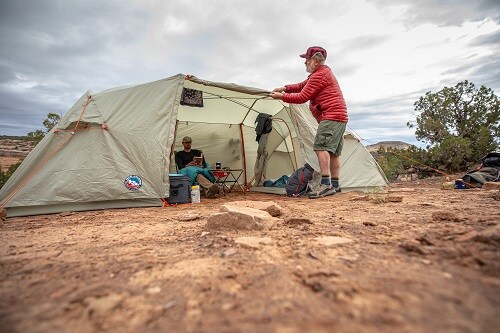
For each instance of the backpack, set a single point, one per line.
(298, 183)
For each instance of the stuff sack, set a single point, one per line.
(298, 183)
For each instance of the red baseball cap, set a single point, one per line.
(312, 51)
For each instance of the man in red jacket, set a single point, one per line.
(327, 105)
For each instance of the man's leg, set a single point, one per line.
(325, 187)
(335, 171)
(338, 142)
(321, 147)
(210, 189)
(324, 162)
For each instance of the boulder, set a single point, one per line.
(240, 218)
(269, 206)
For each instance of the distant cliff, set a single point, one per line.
(15, 147)
(388, 144)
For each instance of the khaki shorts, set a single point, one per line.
(330, 137)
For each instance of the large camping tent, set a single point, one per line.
(114, 149)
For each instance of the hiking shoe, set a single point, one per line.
(212, 191)
(337, 189)
(223, 189)
(322, 191)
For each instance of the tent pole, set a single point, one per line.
(244, 157)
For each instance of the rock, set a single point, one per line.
(332, 240)
(3, 214)
(413, 247)
(445, 216)
(491, 186)
(361, 198)
(394, 199)
(204, 233)
(189, 217)
(269, 206)
(370, 223)
(254, 242)
(490, 235)
(297, 221)
(228, 252)
(403, 189)
(101, 306)
(448, 185)
(240, 218)
(153, 290)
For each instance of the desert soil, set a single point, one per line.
(351, 262)
(7, 161)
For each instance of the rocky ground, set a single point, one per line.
(413, 259)
(13, 151)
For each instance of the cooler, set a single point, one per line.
(180, 189)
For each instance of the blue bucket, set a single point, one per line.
(459, 184)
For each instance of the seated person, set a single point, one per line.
(186, 158)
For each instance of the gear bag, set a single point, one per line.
(298, 183)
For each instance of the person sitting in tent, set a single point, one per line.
(191, 162)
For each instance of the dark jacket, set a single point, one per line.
(264, 125)
(182, 158)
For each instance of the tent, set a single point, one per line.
(114, 149)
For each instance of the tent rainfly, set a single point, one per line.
(114, 149)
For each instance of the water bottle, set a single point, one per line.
(195, 194)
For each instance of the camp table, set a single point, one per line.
(227, 176)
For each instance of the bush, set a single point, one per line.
(4, 176)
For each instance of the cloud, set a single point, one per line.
(382, 52)
(488, 39)
(361, 43)
(443, 12)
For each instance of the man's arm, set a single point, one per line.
(179, 161)
(278, 93)
(199, 153)
(295, 88)
(312, 87)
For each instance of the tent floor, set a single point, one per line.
(281, 190)
(270, 190)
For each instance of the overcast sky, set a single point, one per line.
(385, 53)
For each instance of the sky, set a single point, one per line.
(385, 54)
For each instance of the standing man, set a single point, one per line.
(328, 106)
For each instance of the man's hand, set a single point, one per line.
(276, 95)
(280, 89)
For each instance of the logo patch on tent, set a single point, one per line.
(133, 182)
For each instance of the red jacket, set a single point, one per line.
(323, 91)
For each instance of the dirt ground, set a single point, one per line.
(7, 161)
(429, 263)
